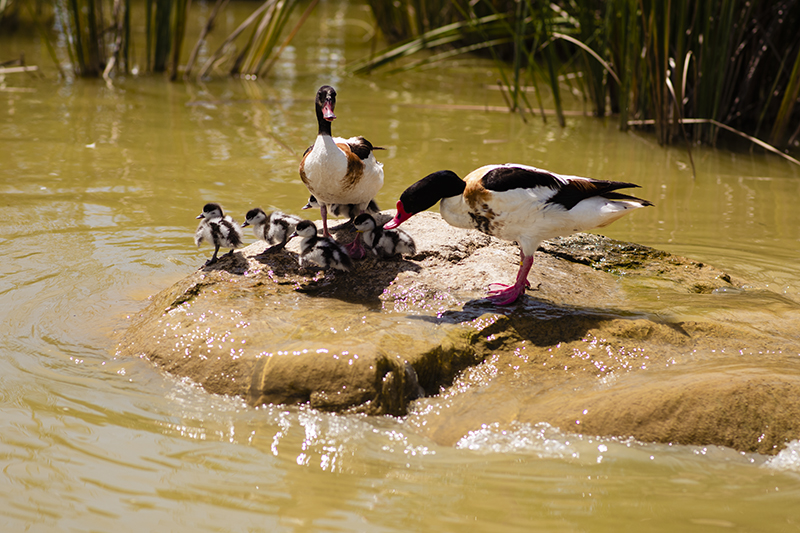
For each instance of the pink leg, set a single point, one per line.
(521, 261)
(323, 211)
(510, 293)
(355, 249)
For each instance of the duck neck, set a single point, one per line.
(440, 185)
(325, 147)
(324, 125)
(455, 212)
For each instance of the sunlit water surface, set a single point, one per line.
(100, 188)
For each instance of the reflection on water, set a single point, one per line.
(100, 187)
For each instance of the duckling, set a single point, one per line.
(323, 252)
(218, 229)
(383, 242)
(275, 228)
(344, 210)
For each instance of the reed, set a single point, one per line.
(254, 59)
(434, 39)
(99, 35)
(10, 14)
(159, 34)
(257, 56)
(209, 25)
(657, 62)
(176, 35)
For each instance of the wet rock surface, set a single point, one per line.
(615, 339)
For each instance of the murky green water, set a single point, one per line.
(100, 188)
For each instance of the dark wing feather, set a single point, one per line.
(502, 179)
(568, 193)
(361, 147)
(620, 196)
(576, 191)
(232, 235)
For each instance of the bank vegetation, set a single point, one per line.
(689, 70)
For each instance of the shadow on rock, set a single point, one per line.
(234, 263)
(364, 284)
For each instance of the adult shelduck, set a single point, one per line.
(518, 203)
(337, 170)
(323, 251)
(217, 229)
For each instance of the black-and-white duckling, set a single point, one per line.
(337, 170)
(383, 242)
(350, 211)
(218, 229)
(274, 228)
(323, 251)
(518, 203)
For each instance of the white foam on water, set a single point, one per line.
(787, 459)
(541, 439)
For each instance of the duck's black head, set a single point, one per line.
(251, 215)
(325, 104)
(364, 222)
(304, 228)
(425, 193)
(211, 210)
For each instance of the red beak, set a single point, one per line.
(399, 218)
(327, 112)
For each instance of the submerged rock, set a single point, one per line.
(617, 340)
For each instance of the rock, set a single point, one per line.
(618, 339)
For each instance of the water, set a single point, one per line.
(100, 187)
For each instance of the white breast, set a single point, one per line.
(325, 166)
(326, 170)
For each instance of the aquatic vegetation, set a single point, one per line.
(726, 65)
(258, 55)
(98, 35)
(688, 70)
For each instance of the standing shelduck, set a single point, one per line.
(518, 203)
(383, 242)
(323, 251)
(274, 228)
(218, 229)
(337, 170)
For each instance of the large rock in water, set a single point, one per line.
(618, 339)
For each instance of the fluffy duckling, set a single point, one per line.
(274, 228)
(518, 203)
(218, 229)
(344, 210)
(323, 251)
(337, 170)
(383, 242)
